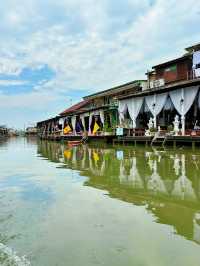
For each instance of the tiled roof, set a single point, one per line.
(75, 107)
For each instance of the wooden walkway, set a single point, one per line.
(105, 139)
(183, 140)
(133, 140)
(163, 141)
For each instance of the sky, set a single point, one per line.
(52, 53)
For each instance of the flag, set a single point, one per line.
(96, 128)
(67, 129)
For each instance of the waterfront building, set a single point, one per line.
(173, 90)
(3, 131)
(168, 102)
(31, 131)
(96, 109)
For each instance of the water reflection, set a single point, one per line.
(167, 183)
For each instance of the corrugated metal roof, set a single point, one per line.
(194, 47)
(172, 61)
(114, 90)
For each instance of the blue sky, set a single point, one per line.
(54, 52)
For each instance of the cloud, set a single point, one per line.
(10, 66)
(91, 45)
(12, 82)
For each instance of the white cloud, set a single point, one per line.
(12, 82)
(90, 48)
(92, 60)
(10, 66)
(31, 100)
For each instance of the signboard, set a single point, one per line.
(119, 131)
(157, 83)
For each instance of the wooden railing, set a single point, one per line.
(192, 75)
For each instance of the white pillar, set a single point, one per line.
(102, 116)
(182, 113)
(154, 121)
(90, 122)
(134, 123)
(74, 124)
(61, 122)
(154, 114)
(183, 125)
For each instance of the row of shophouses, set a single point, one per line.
(168, 100)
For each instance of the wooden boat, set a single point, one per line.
(74, 142)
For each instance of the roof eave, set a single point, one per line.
(185, 57)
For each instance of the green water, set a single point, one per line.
(98, 205)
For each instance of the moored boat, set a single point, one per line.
(74, 142)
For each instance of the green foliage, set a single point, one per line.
(153, 129)
(106, 128)
(170, 128)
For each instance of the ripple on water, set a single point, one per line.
(9, 257)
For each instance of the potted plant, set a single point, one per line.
(107, 130)
(170, 130)
(152, 131)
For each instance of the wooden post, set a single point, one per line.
(174, 144)
(193, 145)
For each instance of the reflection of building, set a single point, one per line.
(165, 183)
(197, 227)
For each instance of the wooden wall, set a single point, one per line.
(181, 72)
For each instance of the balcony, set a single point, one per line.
(193, 74)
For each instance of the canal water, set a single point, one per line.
(98, 205)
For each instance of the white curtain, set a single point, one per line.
(156, 103)
(134, 106)
(102, 116)
(150, 101)
(199, 100)
(61, 122)
(82, 120)
(196, 58)
(122, 109)
(183, 99)
(90, 121)
(74, 123)
(168, 105)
